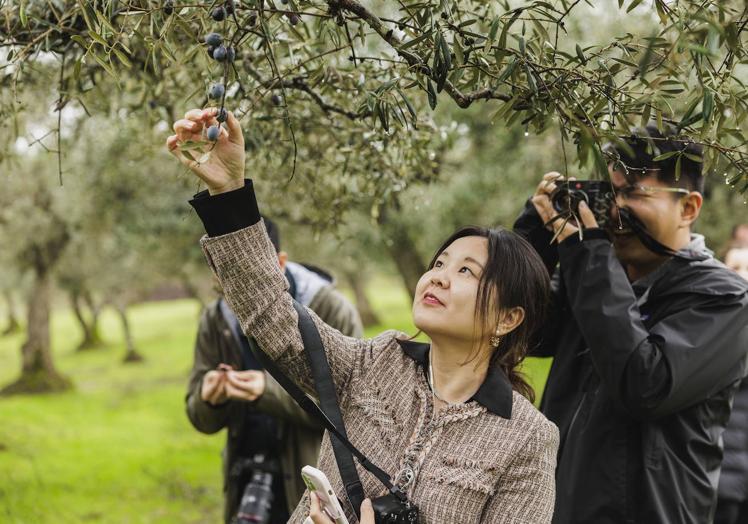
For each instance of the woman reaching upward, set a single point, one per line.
(450, 420)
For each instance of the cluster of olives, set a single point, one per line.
(220, 53)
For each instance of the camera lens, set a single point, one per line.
(565, 199)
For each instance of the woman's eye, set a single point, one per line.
(467, 270)
(438, 263)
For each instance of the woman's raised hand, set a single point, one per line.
(219, 163)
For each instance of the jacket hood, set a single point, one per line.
(306, 281)
(696, 274)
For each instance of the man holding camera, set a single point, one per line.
(270, 438)
(649, 335)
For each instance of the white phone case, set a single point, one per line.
(317, 481)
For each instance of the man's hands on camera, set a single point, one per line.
(561, 227)
(219, 163)
(220, 385)
(318, 516)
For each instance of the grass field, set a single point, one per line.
(119, 448)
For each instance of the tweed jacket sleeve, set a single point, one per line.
(276, 402)
(246, 264)
(527, 491)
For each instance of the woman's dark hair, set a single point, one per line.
(513, 276)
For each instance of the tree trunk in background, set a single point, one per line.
(91, 335)
(402, 249)
(12, 324)
(192, 291)
(38, 374)
(131, 354)
(358, 284)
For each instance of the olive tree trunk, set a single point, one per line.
(90, 327)
(131, 353)
(365, 309)
(38, 373)
(12, 325)
(402, 249)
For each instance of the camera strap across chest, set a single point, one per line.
(328, 412)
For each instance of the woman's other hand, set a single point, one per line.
(317, 516)
(219, 163)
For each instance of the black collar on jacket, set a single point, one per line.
(495, 394)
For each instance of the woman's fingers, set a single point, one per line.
(234, 129)
(315, 510)
(367, 512)
(172, 144)
(187, 130)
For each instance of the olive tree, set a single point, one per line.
(298, 71)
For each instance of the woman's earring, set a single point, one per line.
(495, 340)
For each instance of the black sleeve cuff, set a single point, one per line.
(227, 212)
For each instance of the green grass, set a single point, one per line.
(119, 448)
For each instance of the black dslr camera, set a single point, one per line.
(389, 509)
(257, 499)
(597, 194)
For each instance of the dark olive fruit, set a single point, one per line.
(168, 7)
(210, 50)
(252, 20)
(293, 19)
(217, 91)
(213, 133)
(276, 100)
(218, 14)
(213, 39)
(222, 115)
(230, 54)
(444, 15)
(220, 53)
(230, 7)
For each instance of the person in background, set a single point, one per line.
(732, 501)
(228, 388)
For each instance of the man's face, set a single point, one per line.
(660, 212)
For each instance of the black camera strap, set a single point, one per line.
(328, 413)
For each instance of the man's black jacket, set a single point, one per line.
(642, 379)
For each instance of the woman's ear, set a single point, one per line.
(510, 319)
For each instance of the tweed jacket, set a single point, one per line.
(464, 465)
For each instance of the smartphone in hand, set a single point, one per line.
(317, 481)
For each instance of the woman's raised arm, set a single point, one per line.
(242, 257)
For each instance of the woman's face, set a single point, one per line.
(446, 295)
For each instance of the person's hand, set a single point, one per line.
(542, 197)
(219, 164)
(565, 229)
(562, 228)
(245, 385)
(213, 389)
(319, 517)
